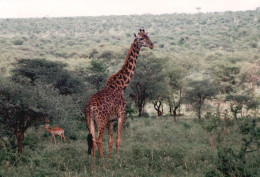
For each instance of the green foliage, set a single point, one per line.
(212, 122)
(129, 110)
(48, 72)
(252, 104)
(21, 107)
(239, 99)
(148, 83)
(198, 92)
(97, 74)
(235, 160)
(24, 106)
(213, 173)
(18, 42)
(230, 163)
(145, 115)
(237, 103)
(176, 83)
(225, 74)
(147, 150)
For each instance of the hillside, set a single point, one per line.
(73, 40)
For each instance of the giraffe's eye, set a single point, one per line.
(141, 38)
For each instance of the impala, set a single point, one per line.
(55, 131)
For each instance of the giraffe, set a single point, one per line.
(108, 105)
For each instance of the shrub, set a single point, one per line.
(18, 42)
(49, 72)
(145, 115)
(239, 162)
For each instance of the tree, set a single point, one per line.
(176, 75)
(148, 83)
(97, 74)
(225, 75)
(237, 102)
(198, 92)
(158, 106)
(251, 75)
(23, 106)
(48, 72)
(139, 96)
(253, 104)
(19, 110)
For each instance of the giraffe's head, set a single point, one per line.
(143, 39)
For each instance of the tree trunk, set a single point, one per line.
(139, 98)
(180, 101)
(157, 106)
(140, 111)
(175, 113)
(201, 101)
(170, 109)
(19, 142)
(199, 113)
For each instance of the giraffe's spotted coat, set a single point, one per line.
(108, 105)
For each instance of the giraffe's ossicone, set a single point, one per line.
(108, 105)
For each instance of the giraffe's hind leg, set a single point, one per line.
(92, 132)
(119, 128)
(101, 129)
(110, 140)
(91, 127)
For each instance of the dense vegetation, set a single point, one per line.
(192, 106)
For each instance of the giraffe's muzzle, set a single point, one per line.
(151, 46)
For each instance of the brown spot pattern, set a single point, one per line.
(109, 103)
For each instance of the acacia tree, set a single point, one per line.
(24, 105)
(19, 109)
(139, 96)
(176, 84)
(158, 106)
(148, 83)
(48, 72)
(238, 102)
(97, 74)
(225, 75)
(198, 92)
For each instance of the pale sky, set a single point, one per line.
(69, 8)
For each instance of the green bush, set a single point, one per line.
(18, 42)
(145, 115)
(49, 72)
(213, 173)
(239, 162)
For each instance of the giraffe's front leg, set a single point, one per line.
(110, 140)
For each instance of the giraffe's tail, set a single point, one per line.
(90, 143)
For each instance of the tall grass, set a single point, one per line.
(150, 147)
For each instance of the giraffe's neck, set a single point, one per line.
(121, 79)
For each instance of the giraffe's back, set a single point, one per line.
(105, 103)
